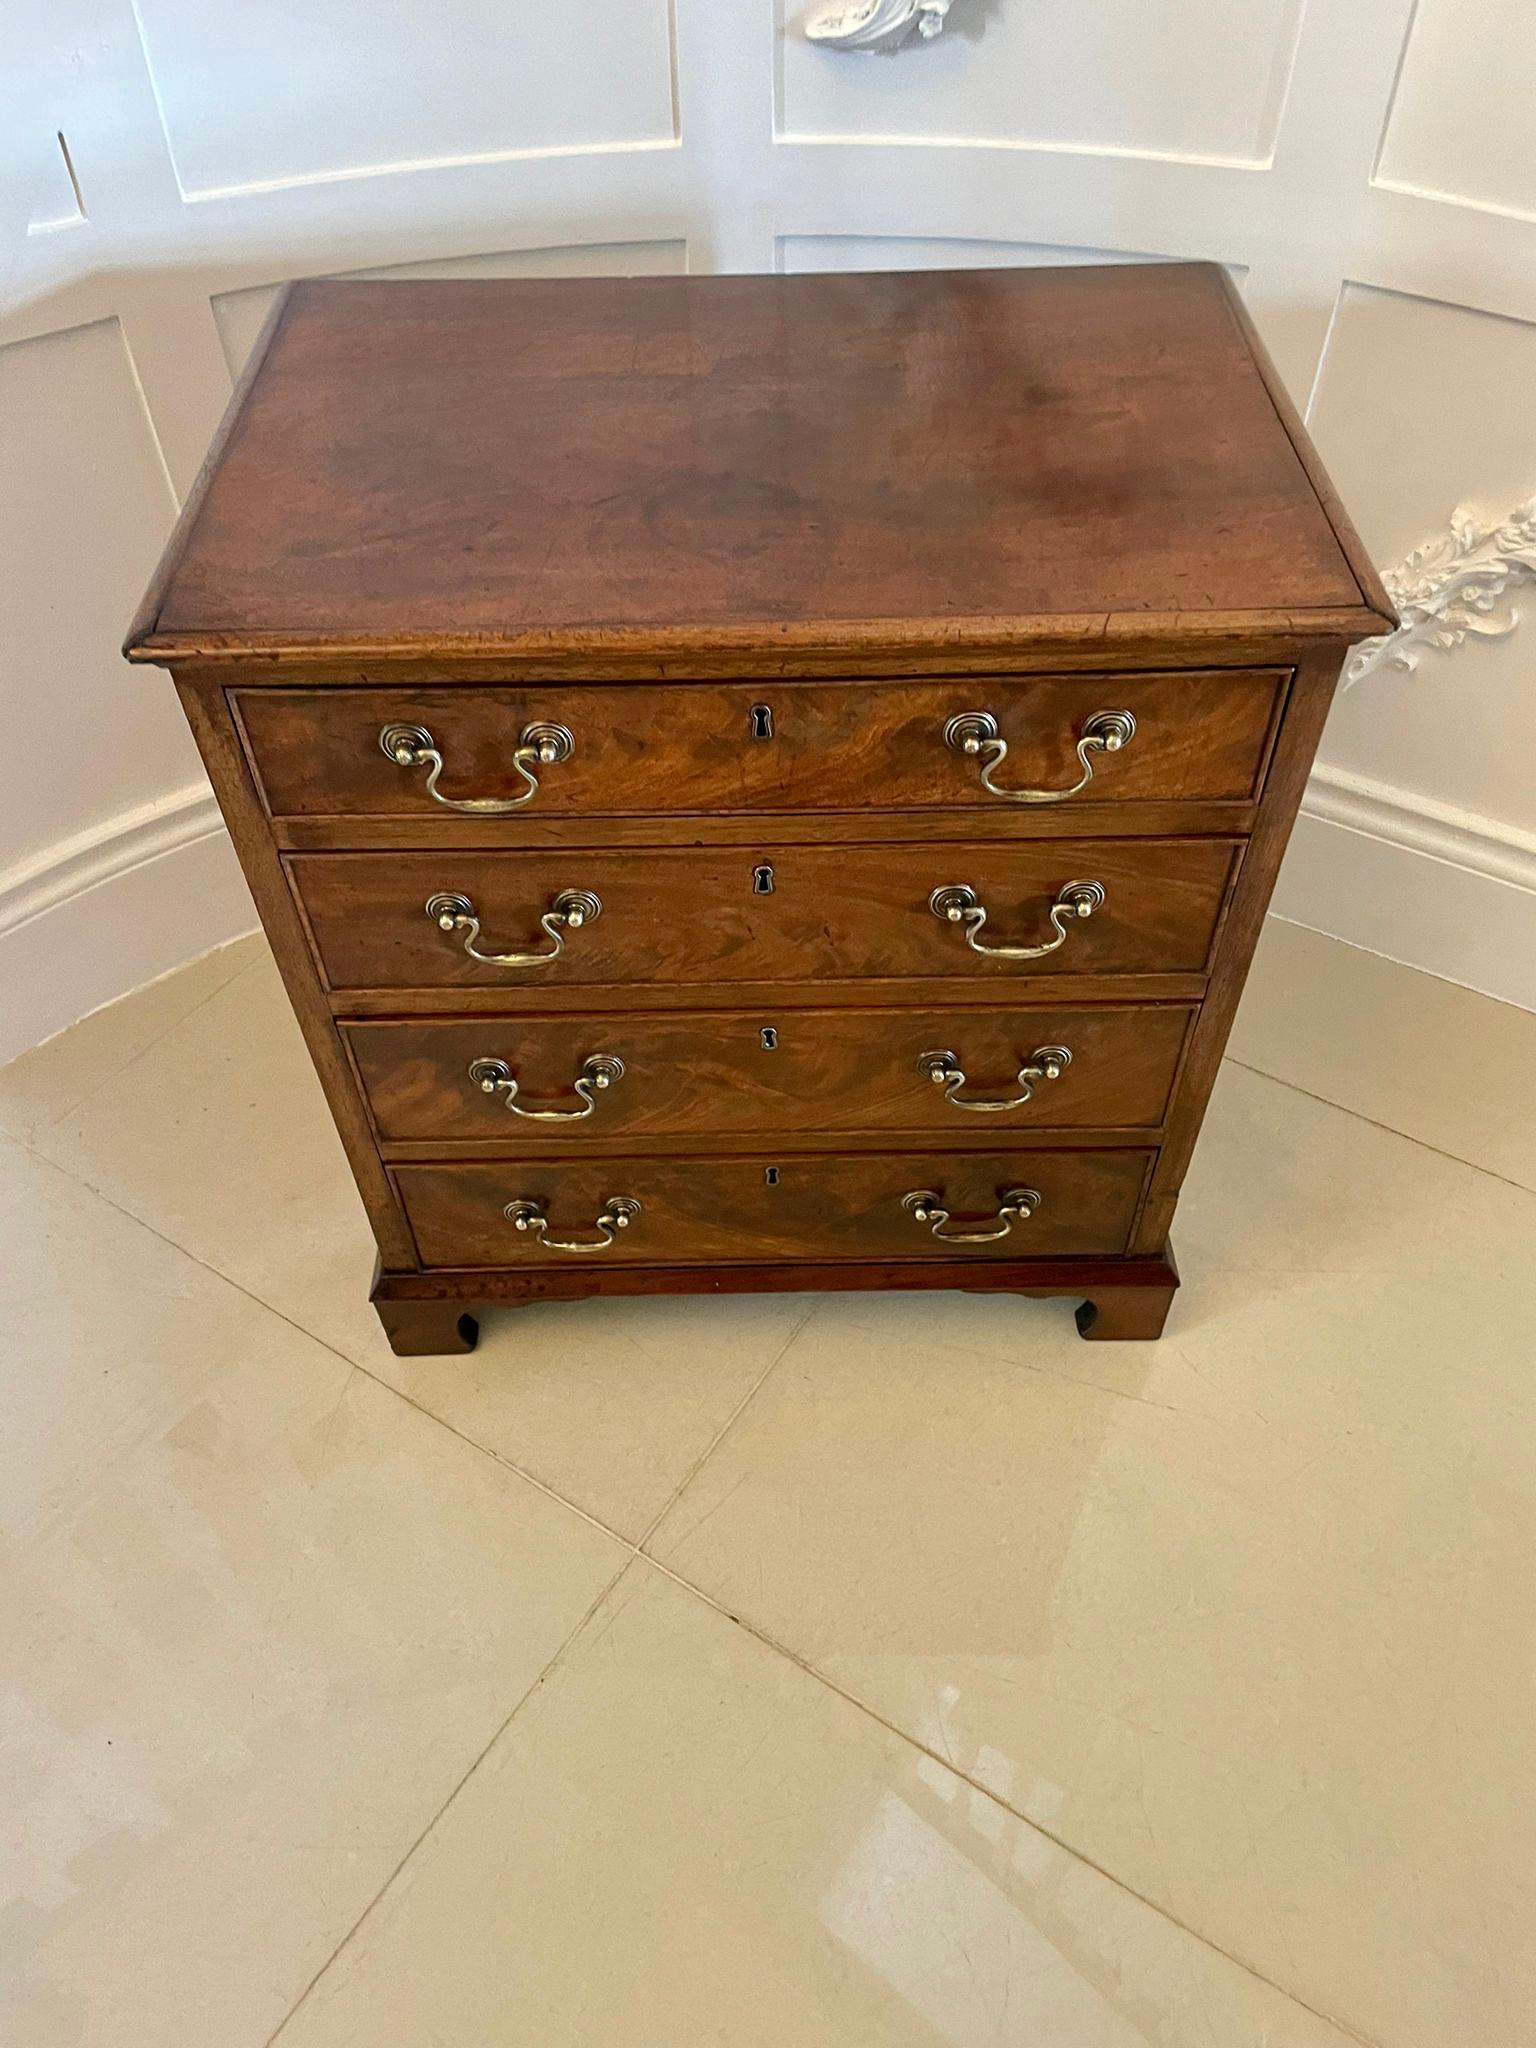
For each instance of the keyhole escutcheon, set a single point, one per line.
(762, 880)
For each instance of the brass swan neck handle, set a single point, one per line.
(975, 733)
(527, 1213)
(539, 746)
(571, 909)
(1016, 1206)
(943, 1069)
(958, 903)
(495, 1077)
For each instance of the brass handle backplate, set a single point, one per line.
(539, 746)
(957, 903)
(495, 1077)
(1046, 1063)
(1016, 1206)
(526, 1213)
(570, 909)
(975, 733)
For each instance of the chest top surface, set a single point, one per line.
(529, 464)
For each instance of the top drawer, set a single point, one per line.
(1007, 743)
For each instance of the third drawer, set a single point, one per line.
(759, 1072)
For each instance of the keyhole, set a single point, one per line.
(769, 1038)
(762, 722)
(762, 880)
(770, 1176)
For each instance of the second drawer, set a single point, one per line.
(747, 1073)
(590, 918)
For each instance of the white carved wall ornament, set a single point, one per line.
(1463, 582)
(874, 24)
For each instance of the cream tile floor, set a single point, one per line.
(851, 1671)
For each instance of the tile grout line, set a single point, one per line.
(269, 1308)
(128, 1065)
(486, 1450)
(522, 1700)
(946, 1763)
(971, 1350)
(723, 1431)
(634, 1548)
(1376, 1124)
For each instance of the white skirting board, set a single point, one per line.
(1426, 1057)
(1382, 870)
(88, 921)
(1417, 881)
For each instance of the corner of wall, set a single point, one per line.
(89, 920)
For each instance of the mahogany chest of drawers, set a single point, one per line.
(763, 782)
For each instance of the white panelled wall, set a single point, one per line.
(1362, 166)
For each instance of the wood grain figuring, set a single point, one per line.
(754, 540)
(701, 1211)
(514, 458)
(688, 917)
(736, 748)
(769, 1072)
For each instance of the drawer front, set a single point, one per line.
(703, 1210)
(770, 746)
(794, 914)
(632, 1075)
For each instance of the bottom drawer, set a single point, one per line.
(702, 1211)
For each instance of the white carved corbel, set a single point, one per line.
(873, 24)
(1463, 582)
